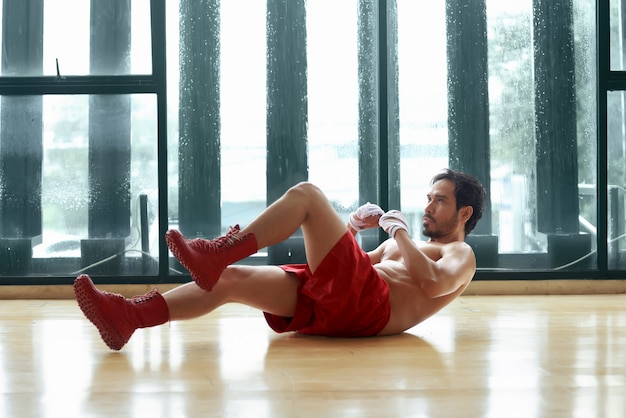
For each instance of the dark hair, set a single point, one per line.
(468, 191)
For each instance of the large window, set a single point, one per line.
(117, 123)
(78, 140)
(508, 94)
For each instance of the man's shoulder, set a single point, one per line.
(459, 246)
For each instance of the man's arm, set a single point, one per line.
(455, 267)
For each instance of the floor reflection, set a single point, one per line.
(482, 357)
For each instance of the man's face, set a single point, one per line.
(440, 215)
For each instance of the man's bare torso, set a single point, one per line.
(409, 304)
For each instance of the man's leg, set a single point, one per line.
(303, 205)
(268, 288)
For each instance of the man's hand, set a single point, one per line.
(366, 216)
(392, 222)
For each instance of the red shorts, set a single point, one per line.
(345, 297)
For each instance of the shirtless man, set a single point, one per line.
(341, 291)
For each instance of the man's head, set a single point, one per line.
(469, 195)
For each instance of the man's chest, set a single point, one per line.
(393, 253)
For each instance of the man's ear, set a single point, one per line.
(466, 212)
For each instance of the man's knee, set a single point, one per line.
(306, 189)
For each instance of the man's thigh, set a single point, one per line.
(268, 288)
(322, 229)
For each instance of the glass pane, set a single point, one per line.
(333, 98)
(75, 174)
(242, 110)
(112, 39)
(513, 159)
(423, 102)
(616, 102)
(617, 34)
(525, 130)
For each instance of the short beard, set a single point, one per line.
(431, 234)
(445, 228)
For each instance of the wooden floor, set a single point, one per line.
(484, 356)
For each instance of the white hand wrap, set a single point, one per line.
(356, 219)
(392, 222)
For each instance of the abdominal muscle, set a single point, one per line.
(409, 304)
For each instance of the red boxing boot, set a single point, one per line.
(116, 317)
(206, 259)
(199, 243)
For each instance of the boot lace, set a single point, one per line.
(136, 300)
(217, 244)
